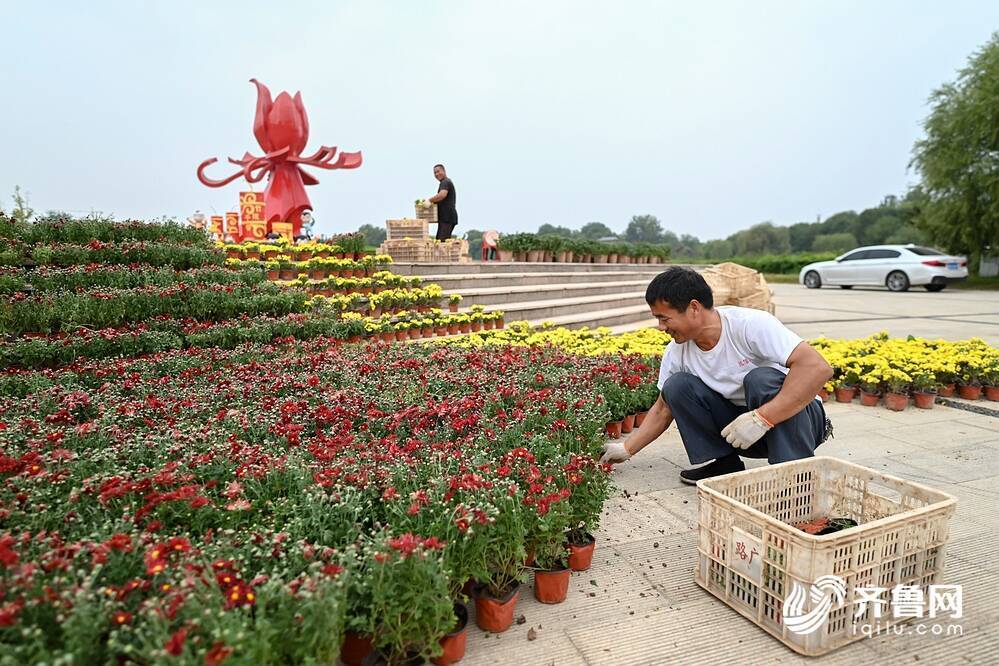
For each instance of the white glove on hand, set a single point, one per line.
(745, 430)
(614, 452)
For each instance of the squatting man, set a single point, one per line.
(736, 381)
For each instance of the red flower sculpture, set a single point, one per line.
(282, 130)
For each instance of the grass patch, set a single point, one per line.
(781, 278)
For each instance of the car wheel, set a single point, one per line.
(812, 280)
(897, 281)
(934, 287)
(846, 286)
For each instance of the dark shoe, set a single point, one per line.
(725, 465)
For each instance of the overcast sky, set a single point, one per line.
(710, 115)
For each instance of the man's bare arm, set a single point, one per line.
(655, 424)
(439, 197)
(807, 372)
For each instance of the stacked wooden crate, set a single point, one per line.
(426, 212)
(733, 284)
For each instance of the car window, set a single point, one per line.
(883, 254)
(859, 254)
(925, 251)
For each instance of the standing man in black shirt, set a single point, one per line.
(447, 215)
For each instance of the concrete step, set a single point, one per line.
(567, 307)
(492, 267)
(461, 282)
(507, 295)
(628, 315)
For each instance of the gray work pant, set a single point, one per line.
(701, 414)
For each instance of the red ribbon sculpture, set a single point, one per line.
(282, 130)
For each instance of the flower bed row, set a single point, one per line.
(896, 369)
(161, 334)
(340, 246)
(874, 368)
(178, 256)
(74, 278)
(103, 308)
(280, 495)
(288, 269)
(378, 282)
(60, 229)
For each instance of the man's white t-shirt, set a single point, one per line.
(749, 339)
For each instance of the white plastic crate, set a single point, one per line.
(900, 539)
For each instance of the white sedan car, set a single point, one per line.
(894, 266)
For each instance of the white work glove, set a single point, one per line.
(614, 452)
(745, 430)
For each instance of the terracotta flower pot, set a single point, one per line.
(453, 643)
(614, 429)
(946, 391)
(534, 255)
(288, 274)
(869, 399)
(824, 394)
(452, 307)
(628, 423)
(551, 586)
(466, 328)
(355, 648)
(845, 394)
(499, 323)
(969, 392)
(402, 336)
(924, 400)
(388, 336)
(253, 256)
(487, 325)
(992, 393)
(273, 275)
(640, 418)
(495, 615)
(896, 402)
(441, 330)
(476, 326)
(581, 555)
(453, 329)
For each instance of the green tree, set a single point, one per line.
(22, 211)
(373, 236)
(882, 229)
(474, 238)
(802, 235)
(958, 158)
(687, 246)
(717, 249)
(644, 229)
(595, 231)
(763, 238)
(838, 223)
(553, 230)
(906, 234)
(837, 243)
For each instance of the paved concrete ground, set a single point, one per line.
(639, 604)
(952, 314)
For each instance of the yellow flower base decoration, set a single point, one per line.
(895, 364)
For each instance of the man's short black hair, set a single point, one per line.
(677, 287)
(440, 165)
